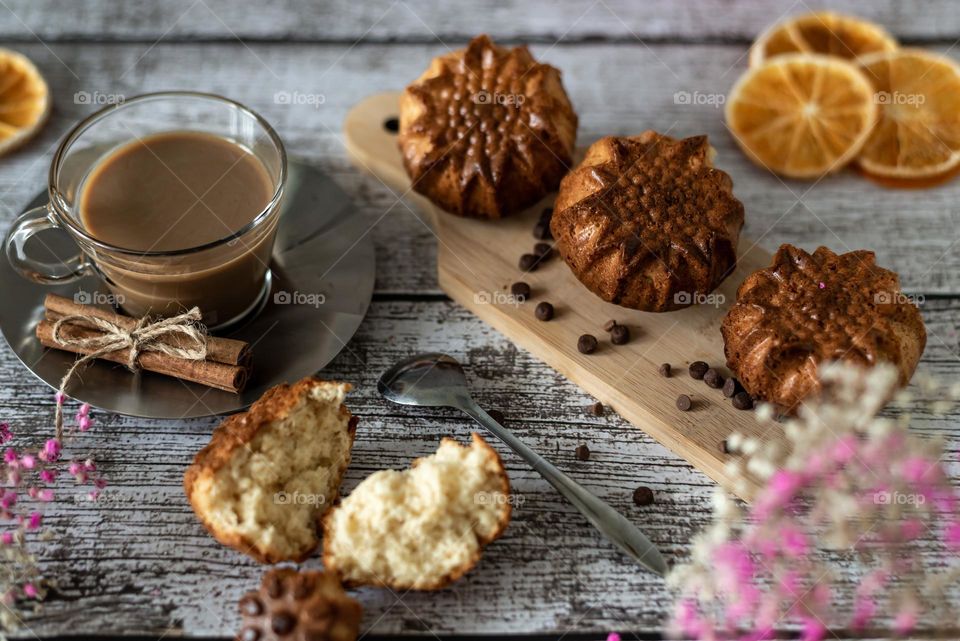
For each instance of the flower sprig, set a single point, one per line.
(846, 481)
(30, 481)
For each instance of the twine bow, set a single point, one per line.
(146, 336)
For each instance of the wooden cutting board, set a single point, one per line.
(477, 263)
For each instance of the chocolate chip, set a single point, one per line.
(620, 335)
(724, 446)
(643, 496)
(684, 403)
(543, 250)
(587, 344)
(583, 452)
(544, 311)
(520, 290)
(597, 409)
(609, 325)
(664, 370)
(546, 214)
(698, 369)
(249, 633)
(392, 125)
(713, 378)
(742, 401)
(541, 231)
(730, 387)
(251, 606)
(274, 586)
(529, 262)
(496, 415)
(283, 623)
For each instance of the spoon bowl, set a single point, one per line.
(428, 380)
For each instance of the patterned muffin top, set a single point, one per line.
(481, 118)
(806, 309)
(649, 206)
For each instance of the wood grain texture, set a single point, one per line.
(138, 562)
(616, 90)
(428, 20)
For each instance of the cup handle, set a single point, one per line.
(24, 228)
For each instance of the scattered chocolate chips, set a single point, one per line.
(520, 290)
(724, 446)
(543, 250)
(643, 496)
(583, 452)
(597, 409)
(283, 623)
(609, 325)
(541, 231)
(664, 370)
(496, 415)
(698, 369)
(544, 311)
(742, 401)
(730, 387)
(713, 378)
(620, 335)
(684, 403)
(587, 344)
(529, 262)
(251, 606)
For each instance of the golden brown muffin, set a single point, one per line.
(486, 131)
(269, 474)
(647, 222)
(299, 606)
(806, 309)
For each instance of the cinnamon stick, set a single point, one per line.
(220, 350)
(230, 378)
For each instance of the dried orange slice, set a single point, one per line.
(823, 32)
(802, 115)
(24, 100)
(918, 135)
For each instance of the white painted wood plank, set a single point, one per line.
(615, 89)
(428, 20)
(140, 563)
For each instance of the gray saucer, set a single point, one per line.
(322, 281)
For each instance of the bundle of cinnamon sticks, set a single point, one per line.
(226, 366)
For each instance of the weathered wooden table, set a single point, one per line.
(138, 563)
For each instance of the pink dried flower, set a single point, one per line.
(10, 456)
(613, 636)
(5, 433)
(30, 590)
(48, 475)
(28, 461)
(34, 520)
(84, 423)
(7, 538)
(59, 397)
(51, 450)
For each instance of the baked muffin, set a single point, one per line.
(646, 222)
(806, 309)
(486, 131)
(268, 475)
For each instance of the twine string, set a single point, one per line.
(146, 336)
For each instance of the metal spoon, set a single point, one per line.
(437, 380)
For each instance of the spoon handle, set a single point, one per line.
(603, 517)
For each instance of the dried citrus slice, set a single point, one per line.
(918, 135)
(802, 115)
(24, 100)
(823, 32)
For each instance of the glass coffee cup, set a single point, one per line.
(225, 272)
